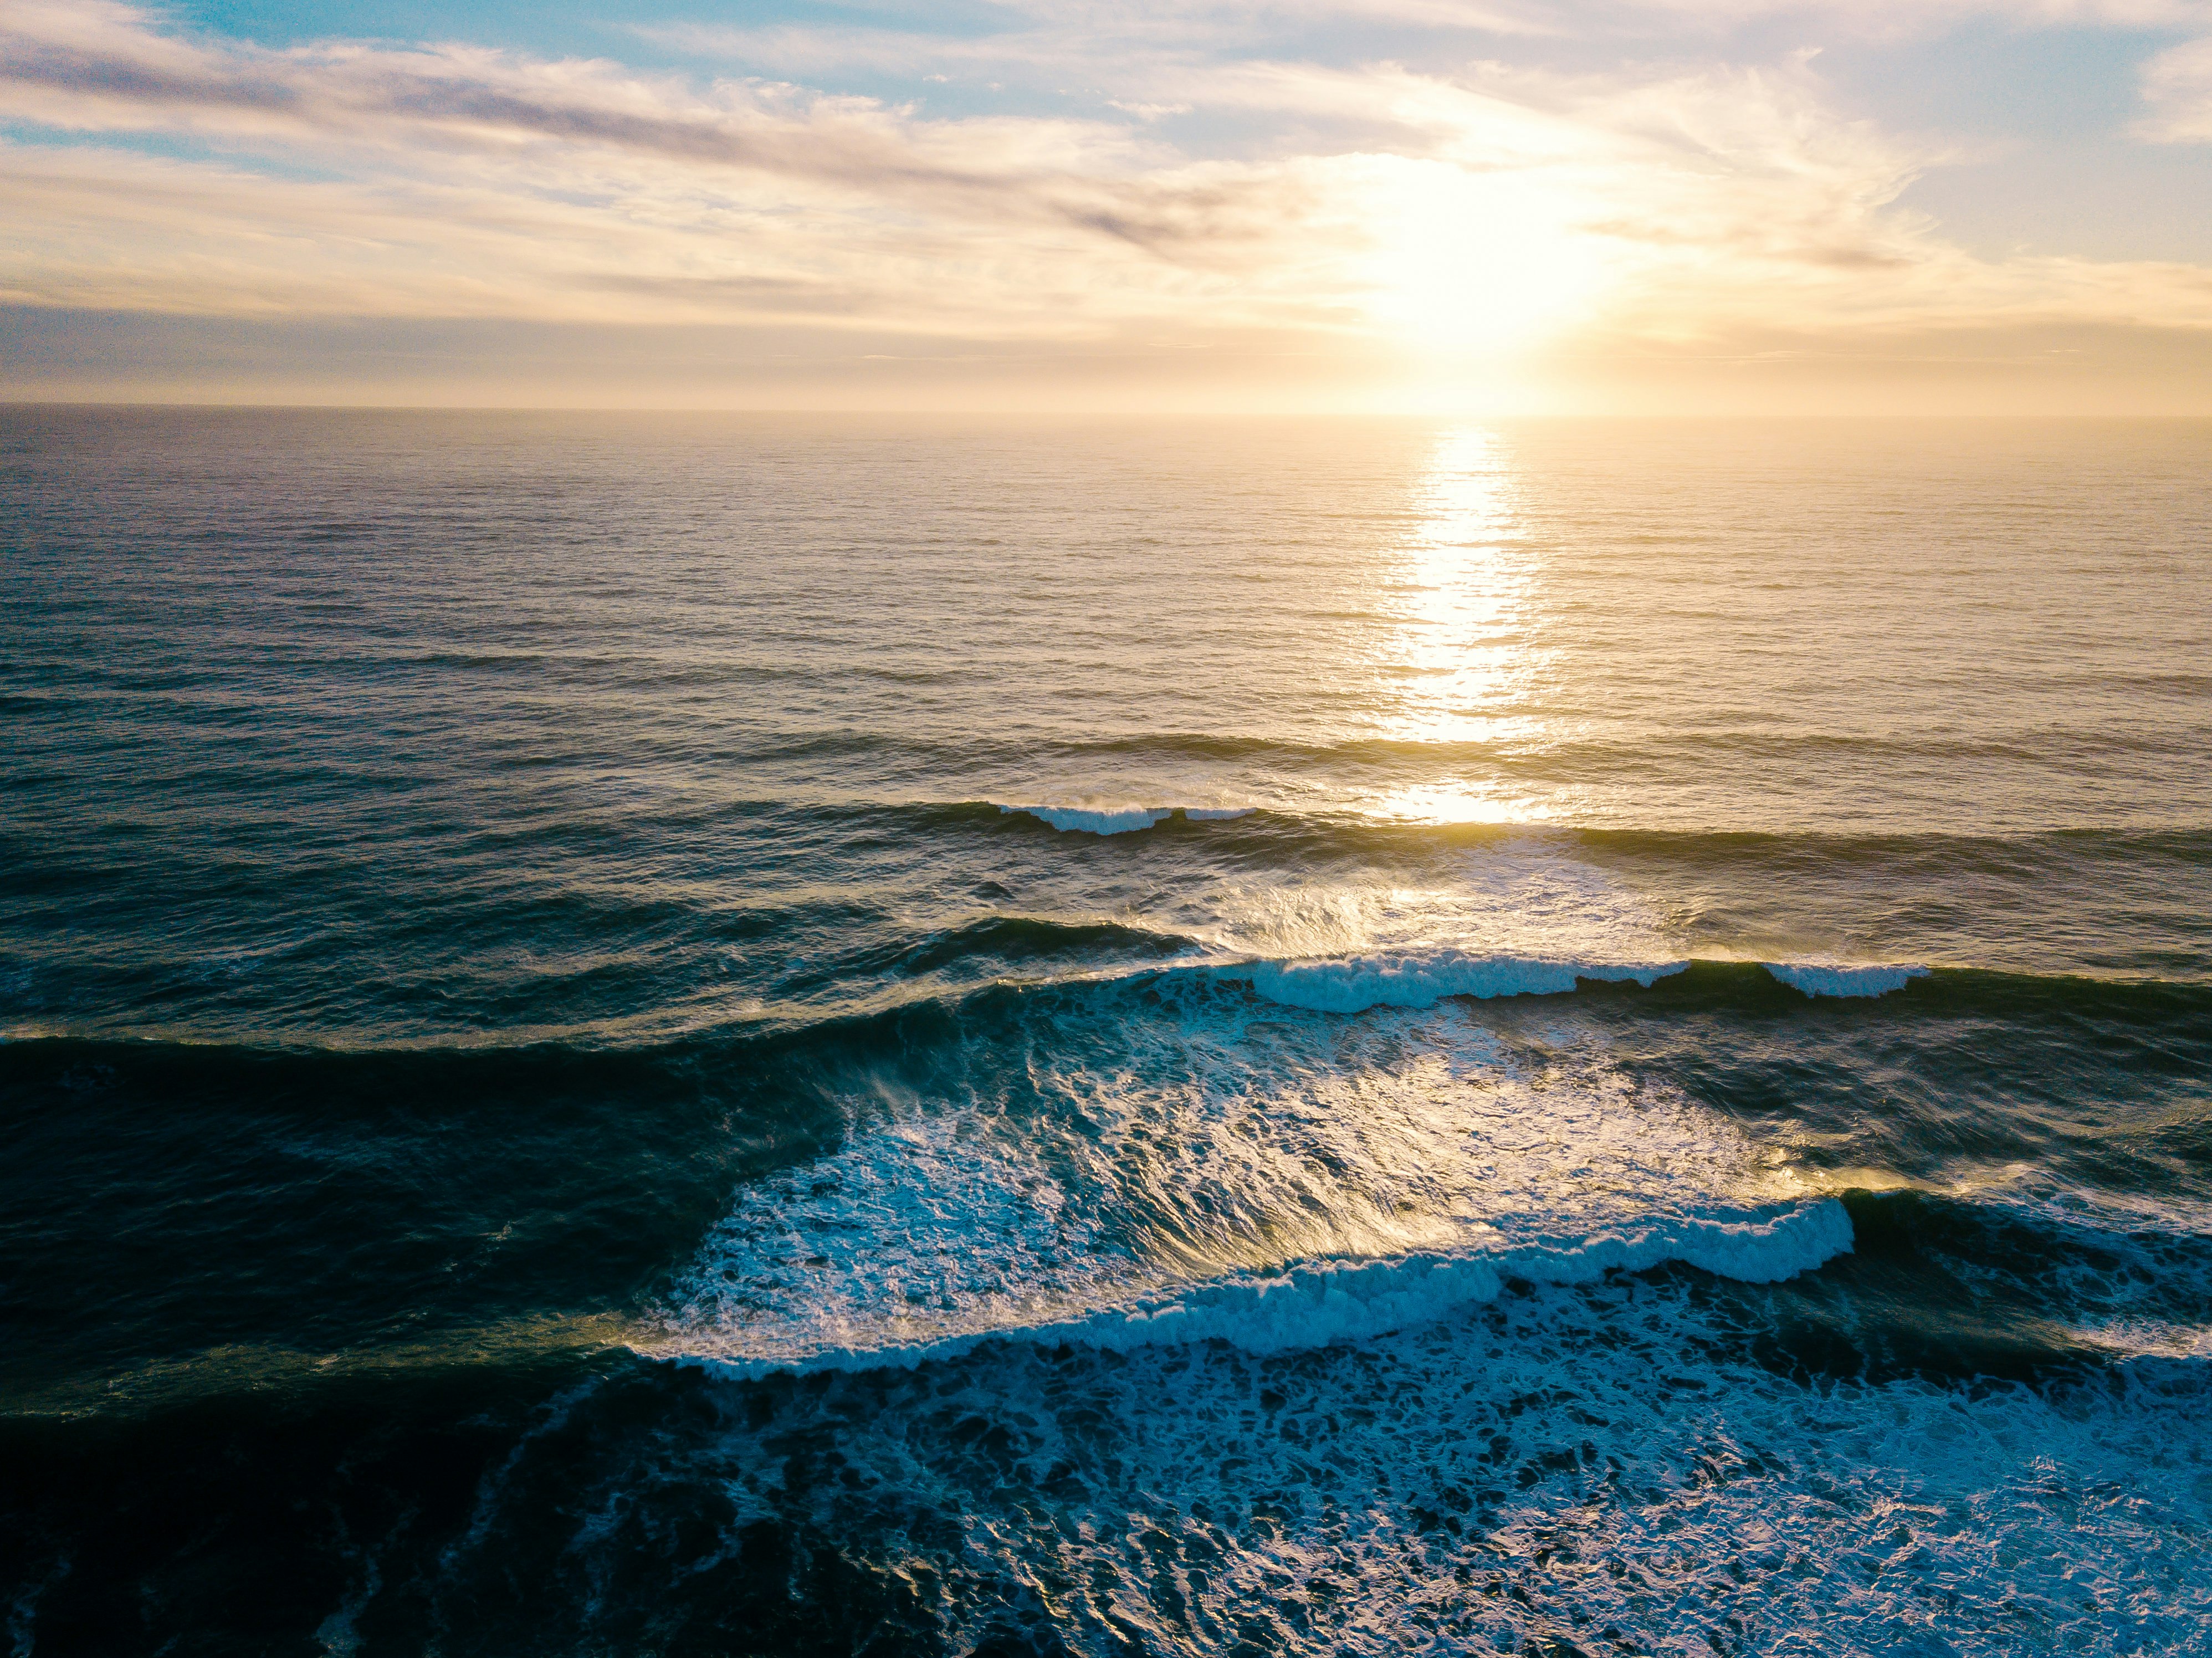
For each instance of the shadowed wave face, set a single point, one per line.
(697, 1036)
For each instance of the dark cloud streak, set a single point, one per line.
(869, 151)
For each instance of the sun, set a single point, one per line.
(1470, 263)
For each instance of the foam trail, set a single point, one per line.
(1826, 979)
(1312, 1306)
(1353, 984)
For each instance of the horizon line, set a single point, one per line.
(1032, 412)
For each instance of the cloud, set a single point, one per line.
(96, 66)
(1895, 17)
(2178, 88)
(1059, 33)
(1401, 210)
(476, 182)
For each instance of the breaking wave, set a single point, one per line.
(1314, 1304)
(1121, 820)
(1831, 979)
(1421, 978)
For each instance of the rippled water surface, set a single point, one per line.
(729, 1034)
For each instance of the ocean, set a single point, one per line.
(716, 1034)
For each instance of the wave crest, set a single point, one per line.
(1421, 978)
(1314, 1305)
(1828, 979)
(1121, 820)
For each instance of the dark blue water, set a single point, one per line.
(716, 1034)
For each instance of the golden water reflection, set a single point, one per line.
(1461, 662)
(1457, 803)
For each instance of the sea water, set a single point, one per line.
(717, 1034)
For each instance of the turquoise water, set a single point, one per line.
(653, 1034)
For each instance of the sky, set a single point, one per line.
(1490, 207)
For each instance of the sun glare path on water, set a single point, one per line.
(1462, 664)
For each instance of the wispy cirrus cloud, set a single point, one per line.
(1405, 210)
(2178, 88)
(102, 66)
(562, 184)
(1101, 37)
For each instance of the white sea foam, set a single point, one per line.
(1830, 979)
(1199, 1167)
(1315, 1304)
(1421, 978)
(1604, 1456)
(1122, 820)
(1094, 820)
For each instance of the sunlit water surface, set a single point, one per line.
(685, 1034)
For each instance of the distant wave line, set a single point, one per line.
(1339, 985)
